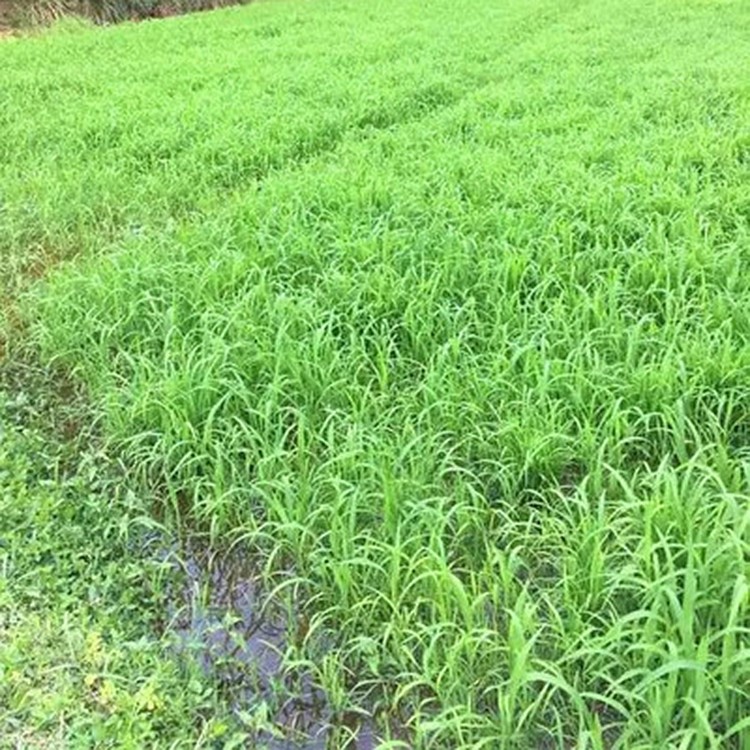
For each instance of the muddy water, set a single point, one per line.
(225, 620)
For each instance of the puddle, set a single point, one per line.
(224, 620)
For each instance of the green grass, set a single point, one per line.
(444, 310)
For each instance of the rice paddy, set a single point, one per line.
(437, 316)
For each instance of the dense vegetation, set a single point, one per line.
(444, 315)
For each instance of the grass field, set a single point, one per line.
(437, 313)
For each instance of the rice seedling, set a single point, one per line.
(438, 316)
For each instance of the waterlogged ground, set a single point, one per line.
(109, 630)
(112, 630)
(245, 639)
(427, 330)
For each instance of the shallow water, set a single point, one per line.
(224, 619)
